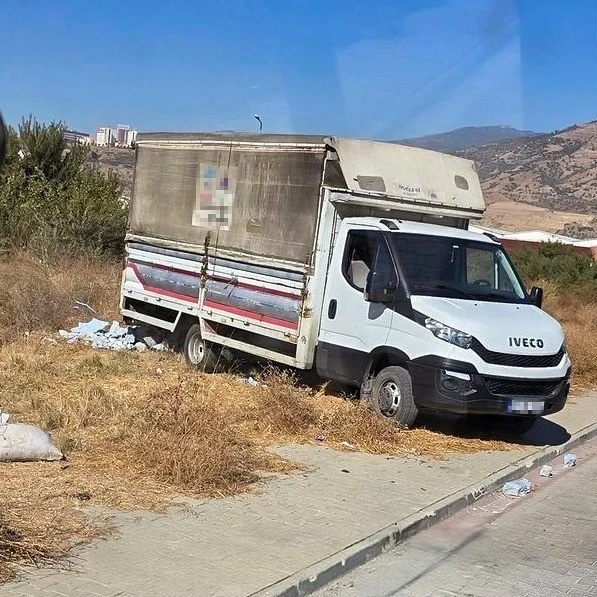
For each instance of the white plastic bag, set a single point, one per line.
(23, 443)
(518, 487)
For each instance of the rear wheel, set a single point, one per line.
(197, 352)
(392, 396)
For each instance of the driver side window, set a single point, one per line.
(358, 258)
(364, 251)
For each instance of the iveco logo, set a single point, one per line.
(526, 342)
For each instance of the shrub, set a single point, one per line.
(559, 264)
(51, 201)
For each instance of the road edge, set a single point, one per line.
(333, 567)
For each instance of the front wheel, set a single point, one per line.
(198, 353)
(392, 396)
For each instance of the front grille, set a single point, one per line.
(517, 360)
(513, 387)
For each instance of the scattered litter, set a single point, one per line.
(344, 470)
(320, 438)
(159, 371)
(4, 418)
(349, 446)
(252, 381)
(50, 340)
(149, 341)
(546, 471)
(24, 443)
(97, 334)
(569, 460)
(81, 304)
(518, 487)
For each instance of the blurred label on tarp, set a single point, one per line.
(214, 197)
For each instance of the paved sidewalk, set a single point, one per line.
(540, 545)
(243, 545)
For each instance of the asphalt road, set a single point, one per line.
(540, 545)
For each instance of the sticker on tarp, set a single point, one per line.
(214, 197)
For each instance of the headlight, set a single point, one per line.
(444, 332)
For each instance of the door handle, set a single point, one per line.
(332, 309)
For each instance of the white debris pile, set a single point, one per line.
(101, 334)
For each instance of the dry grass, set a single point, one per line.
(140, 428)
(578, 315)
(36, 296)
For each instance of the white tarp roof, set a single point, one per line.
(410, 173)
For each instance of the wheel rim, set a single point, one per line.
(196, 350)
(389, 398)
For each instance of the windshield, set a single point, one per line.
(457, 268)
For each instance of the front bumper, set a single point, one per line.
(452, 386)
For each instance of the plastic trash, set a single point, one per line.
(569, 460)
(252, 381)
(516, 488)
(320, 437)
(546, 471)
(4, 418)
(24, 443)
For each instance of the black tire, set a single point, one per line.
(198, 353)
(391, 396)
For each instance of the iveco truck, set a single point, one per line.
(346, 256)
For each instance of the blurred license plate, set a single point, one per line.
(525, 406)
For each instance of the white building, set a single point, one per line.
(540, 236)
(122, 131)
(77, 137)
(131, 138)
(105, 136)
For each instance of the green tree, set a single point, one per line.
(52, 200)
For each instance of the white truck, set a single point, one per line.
(351, 257)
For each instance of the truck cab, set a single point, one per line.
(427, 317)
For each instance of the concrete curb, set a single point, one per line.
(331, 568)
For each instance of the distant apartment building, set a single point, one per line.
(121, 133)
(105, 136)
(121, 136)
(131, 138)
(77, 137)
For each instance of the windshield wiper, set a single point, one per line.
(459, 291)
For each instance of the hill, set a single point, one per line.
(465, 137)
(557, 171)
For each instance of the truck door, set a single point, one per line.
(352, 327)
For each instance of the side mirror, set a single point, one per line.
(536, 296)
(380, 287)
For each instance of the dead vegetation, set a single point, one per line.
(140, 428)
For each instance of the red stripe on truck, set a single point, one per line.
(251, 315)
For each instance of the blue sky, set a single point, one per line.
(370, 68)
